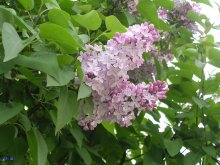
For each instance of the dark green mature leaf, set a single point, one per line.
(148, 10)
(18, 149)
(8, 15)
(27, 4)
(9, 111)
(78, 135)
(67, 41)
(84, 155)
(91, 20)
(47, 63)
(173, 147)
(59, 17)
(214, 56)
(210, 150)
(38, 146)
(5, 16)
(192, 158)
(7, 136)
(66, 109)
(84, 91)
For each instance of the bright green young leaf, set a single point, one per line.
(12, 43)
(38, 147)
(203, 1)
(173, 146)
(47, 63)
(109, 127)
(27, 4)
(67, 41)
(84, 155)
(191, 158)
(91, 20)
(51, 4)
(148, 10)
(84, 91)
(168, 4)
(59, 17)
(9, 111)
(113, 24)
(214, 56)
(67, 108)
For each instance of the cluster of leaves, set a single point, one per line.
(40, 42)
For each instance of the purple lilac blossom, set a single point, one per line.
(180, 14)
(148, 71)
(106, 71)
(132, 6)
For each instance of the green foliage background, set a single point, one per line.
(39, 102)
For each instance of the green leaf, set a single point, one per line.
(148, 10)
(203, 1)
(113, 24)
(214, 56)
(17, 150)
(38, 147)
(78, 135)
(67, 41)
(51, 4)
(210, 150)
(84, 155)
(24, 120)
(27, 4)
(5, 16)
(91, 20)
(47, 63)
(199, 102)
(84, 91)
(173, 147)
(109, 127)
(59, 17)
(12, 43)
(66, 108)
(168, 4)
(9, 111)
(192, 158)
(7, 136)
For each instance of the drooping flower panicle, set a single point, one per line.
(106, 71)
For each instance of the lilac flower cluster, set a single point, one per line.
(148, 71)
(106, 71)
(179, 14)
(132, 6)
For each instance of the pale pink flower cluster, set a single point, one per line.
(180, 14)
(148, 71)
(132, 6)
(106, 71)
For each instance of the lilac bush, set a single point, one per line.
(106, 71)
